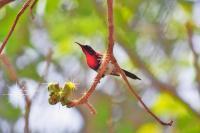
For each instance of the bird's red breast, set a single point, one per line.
(93, 61)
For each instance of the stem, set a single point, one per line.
(91, 108)
(24, 7)
(110, 27)
(137, 96)
(26, 117)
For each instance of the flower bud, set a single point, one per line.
(69, 87)
(54, 98)
(53, 87)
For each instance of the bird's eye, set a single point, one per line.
(90, 51)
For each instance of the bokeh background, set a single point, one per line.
(159, 40)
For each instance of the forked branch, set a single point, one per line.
(109, 57)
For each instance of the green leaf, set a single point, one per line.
(8, 111)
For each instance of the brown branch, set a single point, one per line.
(91, 108)
(136, 60)
(13, 76)
(22, 85)
(137, 96)
(110, 27)
(4, 2)
(110, 57)
(26, 117)
(28, 105)
(24, 7)
(9, 67)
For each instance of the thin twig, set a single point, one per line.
(27, 107)
(138, 97)
(32, 6)
(24, 7)
(22, 85)
(91, 108)
(9, 67)
(159, 85)
(30, 101)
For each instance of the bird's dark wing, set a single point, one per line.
(131, 75)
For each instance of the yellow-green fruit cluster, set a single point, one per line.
(68, 88)
(54, 91)
(59, 94)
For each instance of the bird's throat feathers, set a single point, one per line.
(92, 58)
(92, 61)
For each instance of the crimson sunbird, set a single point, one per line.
(94, 60)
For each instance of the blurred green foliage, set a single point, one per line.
(153, 30)
(7, 111)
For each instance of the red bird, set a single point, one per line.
(94, 60)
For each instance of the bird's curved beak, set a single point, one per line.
(79, 44)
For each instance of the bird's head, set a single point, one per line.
(87, 50)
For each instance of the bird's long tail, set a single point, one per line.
(131, 75)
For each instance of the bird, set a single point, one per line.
(94, 60)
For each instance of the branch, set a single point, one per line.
(136, 60)
(22, 85)
(91, 108)
(24, 7)
(5, 2)
(9, 67)
(110, 27)
(28, 105)
(109, 57)
(137, 96)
